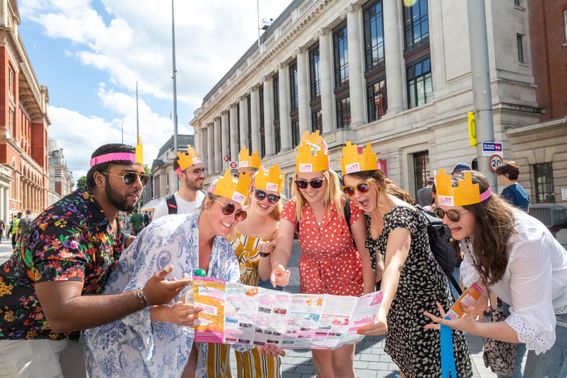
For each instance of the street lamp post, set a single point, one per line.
(480, 75)
(174, 77)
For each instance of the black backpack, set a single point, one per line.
(440, 241)
(171, 204)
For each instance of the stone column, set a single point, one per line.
(255, 118)
(269, 115)
(326, 71)
(393, 54)
(234, 148)
(243, 123)
(303, 84)
(210, 149)
(355, 65)
(217, 148)
(197, 139)
(225, 136)
(285, 124)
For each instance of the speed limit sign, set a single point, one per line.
(495, 161)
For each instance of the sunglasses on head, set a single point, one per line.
(261, 195)
(229, 208)
(363, 187)
(315, 183)
(452, 214)
(130, 178)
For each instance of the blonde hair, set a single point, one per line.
(333, 194)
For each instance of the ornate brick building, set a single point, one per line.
(24, 181)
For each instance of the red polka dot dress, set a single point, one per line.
(329, 263)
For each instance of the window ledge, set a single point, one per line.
(564, 44)
(520, 8)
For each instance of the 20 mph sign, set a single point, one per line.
(495, 161)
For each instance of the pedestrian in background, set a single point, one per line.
(413, 281)
(514, 193)
(330, 262)
(424, 196)
(2, 227)
(51, 287)
(191, 174)
(154, 342)
(25, 224)
(517, 259)
(15, 228)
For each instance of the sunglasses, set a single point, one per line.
(363, 187)
(315, 183)
(131, 177)
(452, 214)
(261, 195)
(229, 208)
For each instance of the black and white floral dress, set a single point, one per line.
(422, 283)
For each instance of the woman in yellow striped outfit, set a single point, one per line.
(252, 244)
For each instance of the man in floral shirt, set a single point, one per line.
(50, 287)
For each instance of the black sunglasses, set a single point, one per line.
(363, 187)
(130, 178)
(261, 195)
(452, 214)
(315, 183)
(229, 208)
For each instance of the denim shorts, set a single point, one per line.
(552, 363)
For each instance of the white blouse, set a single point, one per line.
(534, 283)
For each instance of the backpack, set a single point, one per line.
(171, 204)
(440, 241)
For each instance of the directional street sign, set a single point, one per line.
(492, 148)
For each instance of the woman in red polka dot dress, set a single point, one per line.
(330, 263)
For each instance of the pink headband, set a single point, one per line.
(113, 156)
(484, 196)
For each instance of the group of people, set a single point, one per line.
(76, 271)
(17, 228)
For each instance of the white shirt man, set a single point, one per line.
(191, 173)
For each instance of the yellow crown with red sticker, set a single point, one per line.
(188, 158)
(233, 188)
(245, 160)
(311, 159)
(315, 140)
(271, 180)
(465, 193)
(356, 159)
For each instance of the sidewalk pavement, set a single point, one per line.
(370, 358)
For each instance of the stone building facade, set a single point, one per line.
(371, 72)
(60, 177)
(24, 181)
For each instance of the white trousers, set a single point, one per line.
(41, 358)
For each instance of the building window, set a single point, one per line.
(262, 125)
(315, 85)
(377, 103)
(517, 3)
(293, 97)
(340, 44)
(343, 112)
(373, 35)
(416, 24)
(11, 81)
(276, 110)
(11, 122)
(249, 123)
(565, 23)
(419, 82)
(420, 170)
(520, 46)
(543, 176)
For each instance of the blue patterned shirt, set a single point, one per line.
(136, 346)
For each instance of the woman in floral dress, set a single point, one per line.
(330, 263)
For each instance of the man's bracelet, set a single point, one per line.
(142, 297)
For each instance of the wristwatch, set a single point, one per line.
(142, 297)
(263, 254)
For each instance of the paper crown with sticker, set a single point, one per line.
(187, 159)
(272, 179)
(232, 188)
(310, 159)
(245, 160)
(356, 159)
(315, 140)
(465, 193)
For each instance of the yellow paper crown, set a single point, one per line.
(188, 158)
(352, 161)
(248, 161)
(232, 188)
(465, 193)
(269, 180)
(310, 159)
(314, 140)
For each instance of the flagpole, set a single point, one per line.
(174, 77)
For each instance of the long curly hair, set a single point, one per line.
(494, 227)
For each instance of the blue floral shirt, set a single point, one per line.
(136, 346)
